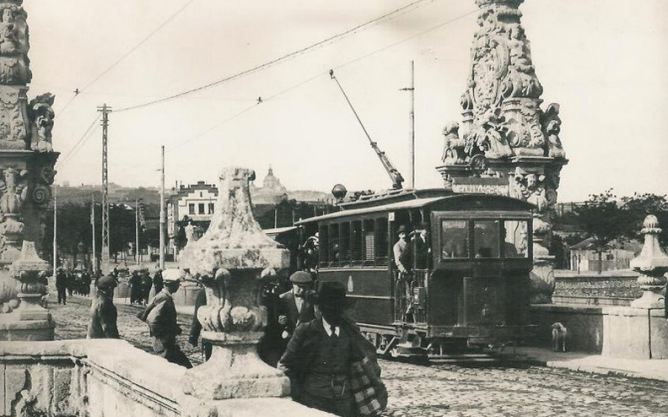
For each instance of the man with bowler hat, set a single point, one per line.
(103, 313)
(319, 355)
(402, 260)
(160, 315)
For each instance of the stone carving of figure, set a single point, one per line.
(453, 150)
(14, 191)
(190, 232)
(8, 38)
(532, 188)
(41, 119)
(489, 137)
(551, 123)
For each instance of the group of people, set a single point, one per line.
(310, 337)
(411, 251)
(70, 282)
(140, 283)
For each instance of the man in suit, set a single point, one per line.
(160, 315)
(293, 307)
(318, 358)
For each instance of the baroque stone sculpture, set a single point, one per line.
(652, 263)
(27, 164)
(232, 259)
(504, 133)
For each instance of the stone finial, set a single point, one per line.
(233, 259)
(652, 263)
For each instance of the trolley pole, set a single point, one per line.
(162, 211)
(412, 126)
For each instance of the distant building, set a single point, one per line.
(196, 203)
(615, 256)
(271, 192)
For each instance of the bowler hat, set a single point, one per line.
(331, 295)
(301, 277)
(401, 229)
(106, 282)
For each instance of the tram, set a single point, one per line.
(469, 290)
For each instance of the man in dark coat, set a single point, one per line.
(146, 284)
(196, 326)
(319, 356)
(293, 306)
(135, 287)
(160, 316)
(157, 281)
(61, 285)
(103, 313)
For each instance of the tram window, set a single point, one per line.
(356, 240)
(369, 241)
(486, 238)
(381, 240)
(515, 240)
(455, 239)
(334, 248)
(344, 241)
(324, 244)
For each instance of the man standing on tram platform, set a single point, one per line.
(401, 252)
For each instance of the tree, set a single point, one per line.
(604, 220)
(641, 205)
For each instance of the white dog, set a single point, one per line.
(559, 333)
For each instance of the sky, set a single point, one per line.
(604, 61)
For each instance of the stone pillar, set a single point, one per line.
(507, 144)
(652, 263)
(27, 172)
(232, 259)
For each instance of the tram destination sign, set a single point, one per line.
(497, 186)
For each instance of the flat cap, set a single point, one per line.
(301, 277)
(106, 282)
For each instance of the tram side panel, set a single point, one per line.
(370, 290)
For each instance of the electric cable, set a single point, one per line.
(81, 141)
(272, 62)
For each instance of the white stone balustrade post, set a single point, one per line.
(652, 263)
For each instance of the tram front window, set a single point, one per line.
(455, 238)
(515, 243)
(486, 239)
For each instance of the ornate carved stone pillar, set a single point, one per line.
(507, 144)
(232, 259)
(652, 263)
(27, 160)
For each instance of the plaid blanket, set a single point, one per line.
(368, 390)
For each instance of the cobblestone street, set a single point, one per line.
(445, 389)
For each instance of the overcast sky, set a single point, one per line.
(604, 61)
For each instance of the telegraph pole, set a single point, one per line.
(137, 231)
(162, 211)
(412, 127)
(55, 230)
(105, 110)
(92, 224)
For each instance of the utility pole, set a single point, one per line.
(412, 126)
(55, 230)
(92, 224)
(137, 231)
(162, 211)
(105, 110)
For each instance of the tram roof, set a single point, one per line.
(414, 204)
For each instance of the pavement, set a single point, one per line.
(576, 361)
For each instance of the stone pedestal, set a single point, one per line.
(652, 263)
(29, 321)
(232, 260)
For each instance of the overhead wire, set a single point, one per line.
(274, 61)
(81, 142)
(125, 55)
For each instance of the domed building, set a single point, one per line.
(271, 192)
